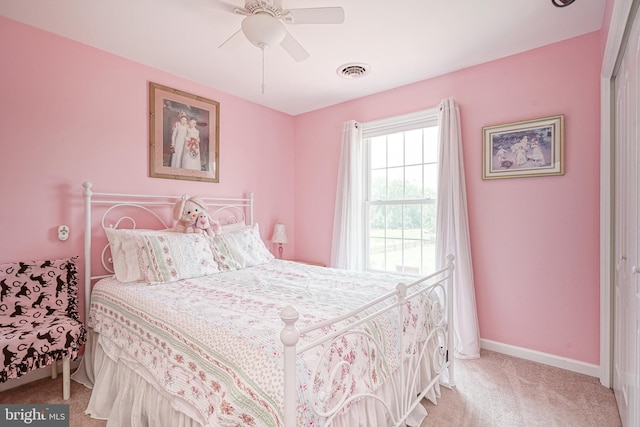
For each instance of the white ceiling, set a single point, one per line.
(403, 41)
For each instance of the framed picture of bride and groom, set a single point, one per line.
(183, 135)
(524, 149)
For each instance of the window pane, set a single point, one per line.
(396, 184)
(377, 221)
(378, 148)
(378, 184)
(413, 147)
(394, 221)
(395, 146)
(429, 221)
(412, 221)
(430, 181)
(413, 182)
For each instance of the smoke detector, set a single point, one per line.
(352, 71)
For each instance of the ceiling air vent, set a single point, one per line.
(352, 71)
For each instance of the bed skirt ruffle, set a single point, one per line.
(125, 394)
(123, 391)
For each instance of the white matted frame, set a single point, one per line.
(524, 149)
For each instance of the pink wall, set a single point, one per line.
(71, 113)
(535, 241)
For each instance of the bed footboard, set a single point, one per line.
(423, 346)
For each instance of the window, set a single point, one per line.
(401, 185)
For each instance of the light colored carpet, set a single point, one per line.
(493, 391)
(502, 391)
(48, 391)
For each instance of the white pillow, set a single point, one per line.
(240, 248)
(159, 256)
(124, 253)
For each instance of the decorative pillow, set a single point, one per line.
(240, 248)
(124, 253)
(223, 253)
(174, 256)
(39, 288)
(159, 256)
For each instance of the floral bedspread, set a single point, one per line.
(214, 341)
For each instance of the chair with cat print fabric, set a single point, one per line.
(39, 322)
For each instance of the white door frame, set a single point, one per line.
(615, 39)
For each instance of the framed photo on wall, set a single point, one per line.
(183, 135)
(524, 149)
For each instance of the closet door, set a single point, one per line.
(626, 357)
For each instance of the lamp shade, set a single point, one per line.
(279, 234)
(263, 30)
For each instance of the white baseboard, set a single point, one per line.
(36, 375)
(544, 358)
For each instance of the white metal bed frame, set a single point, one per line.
(435, 349)
(147, 204)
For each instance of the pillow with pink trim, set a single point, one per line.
(159, 256)
(240, 248)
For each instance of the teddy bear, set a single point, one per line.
(192, 217)
(203, 225)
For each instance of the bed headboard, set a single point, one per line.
(122, 210)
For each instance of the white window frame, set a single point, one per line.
(390, 125)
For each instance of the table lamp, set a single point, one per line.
(279, 237)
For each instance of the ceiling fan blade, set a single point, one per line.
(315, 15)
(293, 48)
(232, 37)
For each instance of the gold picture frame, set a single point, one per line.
(524, 149)
(183, 135)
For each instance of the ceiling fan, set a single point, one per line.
(264, 21)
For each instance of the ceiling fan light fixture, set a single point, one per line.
(263, 30)
(353, 70)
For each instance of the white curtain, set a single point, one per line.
(452, 230)
(348, 234)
